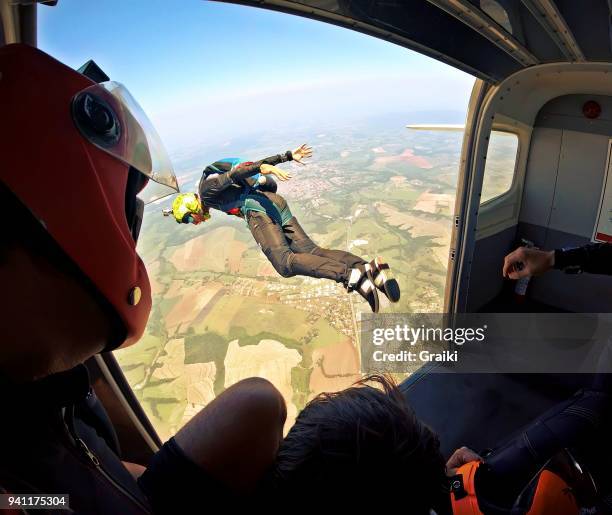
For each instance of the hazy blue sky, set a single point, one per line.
(207, 71)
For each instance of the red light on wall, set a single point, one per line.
(591, 110)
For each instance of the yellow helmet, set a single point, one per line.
(184, 204)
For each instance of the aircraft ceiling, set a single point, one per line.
(487, 38)
(490, 39)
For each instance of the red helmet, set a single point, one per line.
(70, 150)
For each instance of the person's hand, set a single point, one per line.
(524, 262)
(266, 169)
(460, 457)
(301, 153)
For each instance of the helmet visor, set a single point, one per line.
(109, 117)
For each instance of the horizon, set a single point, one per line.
(208, 73)
(225, 80)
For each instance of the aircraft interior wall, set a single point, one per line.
(487, 282)
(564, 178)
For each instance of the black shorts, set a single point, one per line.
(174, 484)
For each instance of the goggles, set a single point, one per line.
(109, 117)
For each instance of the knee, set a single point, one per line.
(281, 261)
(260, 388)
(236, 437)
(285, 271)
(256, 384)
(261, 399)
(310, 247)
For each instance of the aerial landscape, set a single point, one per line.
(220, 311)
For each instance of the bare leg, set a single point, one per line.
(236, 437)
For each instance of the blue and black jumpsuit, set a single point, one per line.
(230, 188)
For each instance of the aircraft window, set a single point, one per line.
(501, 163)
(221, 312)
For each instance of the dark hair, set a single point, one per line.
(361, 446)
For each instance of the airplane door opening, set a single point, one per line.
(221, 312)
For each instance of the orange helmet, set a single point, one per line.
(71, 152)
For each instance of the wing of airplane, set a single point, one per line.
(448, 127)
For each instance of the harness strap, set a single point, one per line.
(463, 490)
(552, 495)
(378, 273)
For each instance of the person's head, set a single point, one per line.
(188, 209)
(74, 159)
(52, 314)
(361, 445)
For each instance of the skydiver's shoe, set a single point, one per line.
(384, 281)
(360, 280)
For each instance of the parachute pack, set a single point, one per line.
(186, 204)
(228, 164)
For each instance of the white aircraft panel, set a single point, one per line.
(603, 225)
(578, 189)
(541, 176)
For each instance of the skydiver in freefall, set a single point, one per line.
(248, 190)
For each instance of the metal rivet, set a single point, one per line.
(134, 296)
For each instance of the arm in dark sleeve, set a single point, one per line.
(242, 172)
(210, 187)
(594, 258)
(277, 159)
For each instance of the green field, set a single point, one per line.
(301, 314)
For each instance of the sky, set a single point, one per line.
(208, 71)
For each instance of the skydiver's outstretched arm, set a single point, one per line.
(276, 159)
(244, 171)
(218, 182)
(215, 184)
(297, 155)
